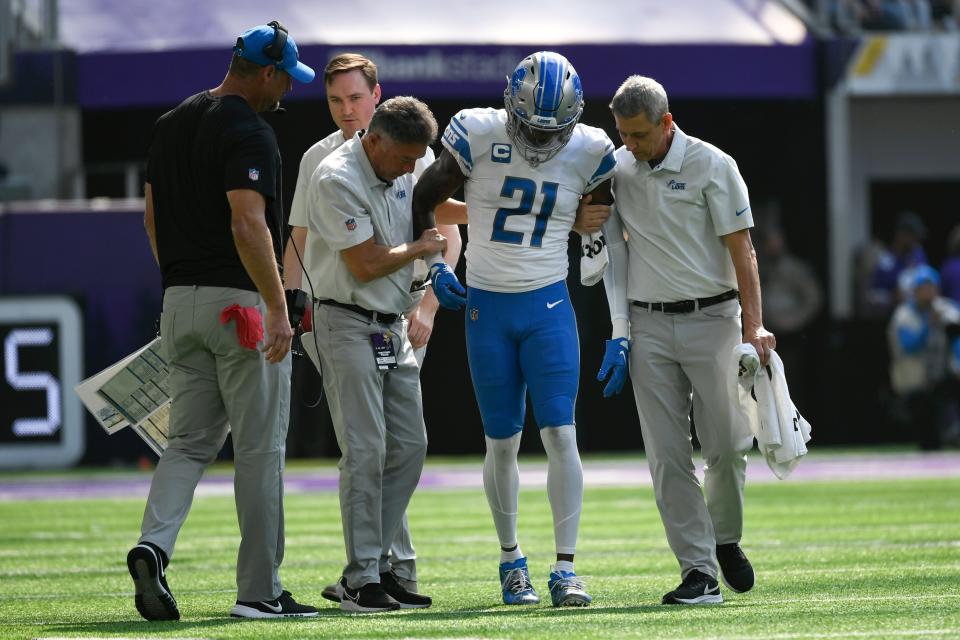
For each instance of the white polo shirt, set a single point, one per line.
(298, 209)
(308, 164)
(347, 204)
(674, 215)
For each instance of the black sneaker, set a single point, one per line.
(408, 599)
(409, 585)
(735, 570)
(696, 588)
(153, 599)
(333, 592)
(283, 607)
(370, 598)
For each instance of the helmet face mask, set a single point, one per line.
(543, 101)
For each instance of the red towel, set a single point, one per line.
(249, 324)
(307, 323)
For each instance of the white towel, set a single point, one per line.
(780, 430)
(594, 259)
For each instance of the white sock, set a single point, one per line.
(564, 484)
(510, 556)
(501, 482)
(564, 565)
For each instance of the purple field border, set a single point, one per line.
(620, 473)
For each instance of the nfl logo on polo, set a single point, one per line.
(351, 224)
(253, 174)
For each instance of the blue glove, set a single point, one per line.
(450, 293)
(615, 359)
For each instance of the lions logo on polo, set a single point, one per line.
(253, 174)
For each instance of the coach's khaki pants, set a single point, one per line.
(403, 556)
(679, 360)
(378, 420)
(218, 386)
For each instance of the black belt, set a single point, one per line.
(687, 306)
(373, 316)
(418, 285)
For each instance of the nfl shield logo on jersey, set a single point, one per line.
(351, 224)
(253, 174)
(474, 314)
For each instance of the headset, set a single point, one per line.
(274, 50)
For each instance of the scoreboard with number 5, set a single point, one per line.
(41, 420)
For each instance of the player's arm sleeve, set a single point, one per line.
(336, 213)
(456, 139)
(727, 197)
(615, 276)
(602, 170)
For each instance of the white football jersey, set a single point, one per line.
(520, 216)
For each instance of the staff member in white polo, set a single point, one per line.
(686, 214)
(352, 95)
(359, 206)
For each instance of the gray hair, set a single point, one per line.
(404, 120)
(639, 94)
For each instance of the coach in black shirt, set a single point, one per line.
(214, 219)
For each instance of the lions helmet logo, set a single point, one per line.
(516, 81)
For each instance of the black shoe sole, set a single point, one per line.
(251, 613)
(153, 602)
(354, 607)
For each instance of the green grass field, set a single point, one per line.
(865, 559)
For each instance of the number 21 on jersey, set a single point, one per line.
(528, 192)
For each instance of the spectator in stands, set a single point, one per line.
(950, 271)
(944, 14)
(923, 339)
(865, 262)
(792, 299)
(881, 15)
(891, 277)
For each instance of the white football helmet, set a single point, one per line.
(543, 100)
